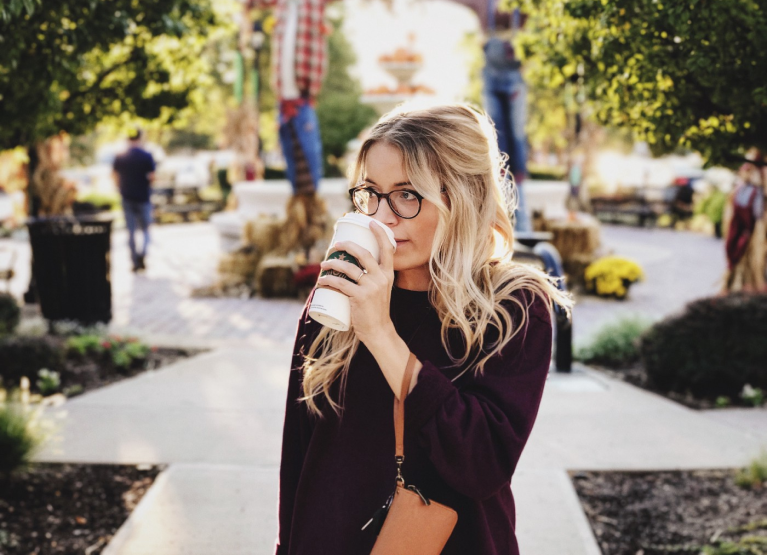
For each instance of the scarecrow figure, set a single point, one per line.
(745, 243)
(299, 65)
(505, 93)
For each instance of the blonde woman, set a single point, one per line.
(478, 324)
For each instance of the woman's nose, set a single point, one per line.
(385, 214)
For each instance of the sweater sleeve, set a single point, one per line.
(474, 433)
(296, 433)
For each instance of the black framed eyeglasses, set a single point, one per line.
(404, 203)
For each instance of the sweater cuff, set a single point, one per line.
(431, 390)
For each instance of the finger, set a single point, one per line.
(385, 247)
(362, 255)
(340, 284)
(339, 268)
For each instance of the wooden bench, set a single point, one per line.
(630, 210)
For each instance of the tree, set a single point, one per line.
(677, 74)
(67, 65)
(339, 110)
(15, 7)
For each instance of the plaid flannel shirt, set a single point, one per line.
(311, 46)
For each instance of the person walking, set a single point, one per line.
(134, 173)
(450, 304)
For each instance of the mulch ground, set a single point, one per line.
(91, 372)
(655, 513)
(77, 508)
(68, 508)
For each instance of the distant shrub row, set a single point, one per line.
(713, 349)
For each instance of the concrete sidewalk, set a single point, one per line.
(217, 420)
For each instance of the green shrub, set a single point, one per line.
(19, 438)
(754, 396)
(24, 356)
(615, 345)
(754, 475)
(747, 544)
(70, 328)
(712, 350)
(547, 173)
(73, 390)
(10, 314)
(123, 353)
(102, 199)
(722, 402)
(49, 382)
(85, 344)
(739, 541)
(750, 545)
(126, 353)
(713, 206)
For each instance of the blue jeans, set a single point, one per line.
(505, 95)
(137, 214)
(307, 129)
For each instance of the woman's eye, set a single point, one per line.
(408, 195)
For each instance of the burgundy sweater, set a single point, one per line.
(463, 439)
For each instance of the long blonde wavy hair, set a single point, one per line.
(451, 148)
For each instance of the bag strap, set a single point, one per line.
(399, 417)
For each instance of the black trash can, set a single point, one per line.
(563, 350)
(70, 261)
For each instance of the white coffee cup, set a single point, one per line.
(329, 307)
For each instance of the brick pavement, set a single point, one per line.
(680, 267)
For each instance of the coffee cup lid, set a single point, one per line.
(364, 221)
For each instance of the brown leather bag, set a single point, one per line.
(414, 525)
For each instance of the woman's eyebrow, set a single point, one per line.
(402, 184)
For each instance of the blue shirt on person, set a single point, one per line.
(133, 168)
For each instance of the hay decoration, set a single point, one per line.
(56, 194)
(241, 135)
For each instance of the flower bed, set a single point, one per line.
(657, 513)
(76, 364)
(68, 508)
(711, 355)
(64, 508)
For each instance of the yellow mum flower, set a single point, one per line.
(612, 276)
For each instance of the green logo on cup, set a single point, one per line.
(346, 257)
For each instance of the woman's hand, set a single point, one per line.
(370, 296)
